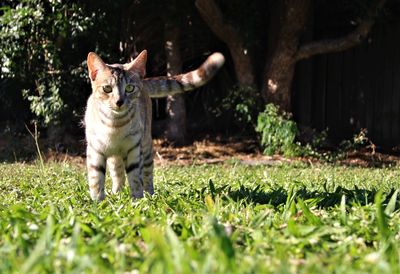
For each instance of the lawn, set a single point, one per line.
(230, 218)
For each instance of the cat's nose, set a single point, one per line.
(119, 103)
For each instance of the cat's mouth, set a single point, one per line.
(119, 111)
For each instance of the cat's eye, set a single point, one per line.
(107, 88)
(130, 88)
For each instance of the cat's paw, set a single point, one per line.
(97, 196)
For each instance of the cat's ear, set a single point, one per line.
(95, 65)
(138, 64)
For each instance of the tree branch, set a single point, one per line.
(214, 18)
(340, 44)
(211, 13)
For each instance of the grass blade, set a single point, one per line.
(308, 214)
(382, 223)
(391, 206)
(39, 252)
(343, 213)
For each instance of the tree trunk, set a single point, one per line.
(279, 70)
(212, 15)
(176, 122)
(126, 43)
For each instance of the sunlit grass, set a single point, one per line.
(203, 219)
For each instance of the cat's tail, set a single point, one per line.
(163, 86)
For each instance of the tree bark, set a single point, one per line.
(280, 68)
(176, 110)
(343, 43)
(126, 43)
(214, 18)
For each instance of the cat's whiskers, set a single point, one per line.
(111, 114)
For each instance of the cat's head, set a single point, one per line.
(116, 86)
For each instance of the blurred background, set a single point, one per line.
(315, 74)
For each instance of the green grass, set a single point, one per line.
(203, 219)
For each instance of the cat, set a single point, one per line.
(118, 119)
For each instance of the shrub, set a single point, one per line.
(278, 132)
(42, 48)
(242, 104)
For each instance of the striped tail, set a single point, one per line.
(158, 87)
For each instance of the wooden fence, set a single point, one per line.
(358, 88)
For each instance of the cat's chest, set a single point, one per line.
(115, 142)
(120, 145)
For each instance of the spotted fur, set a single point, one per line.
(118, 120)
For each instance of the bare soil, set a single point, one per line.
(211, 150)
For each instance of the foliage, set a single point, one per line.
(359, 139)
(42, 46)
(243, 104)
(278, 132)
(316, 147)
(29, 50)
(203, 219)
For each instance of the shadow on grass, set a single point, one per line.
(321, 199)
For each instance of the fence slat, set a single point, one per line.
(360, 85)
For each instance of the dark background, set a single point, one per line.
(43, 48)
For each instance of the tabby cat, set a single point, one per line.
(118, 119)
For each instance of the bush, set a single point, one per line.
(42, 48)
(242, 104)
(278, 132)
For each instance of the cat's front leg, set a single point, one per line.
(116, 166)
(96, 168)
(133, 167)
(148, 167)
(148, 178)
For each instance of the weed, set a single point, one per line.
(278, 132)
